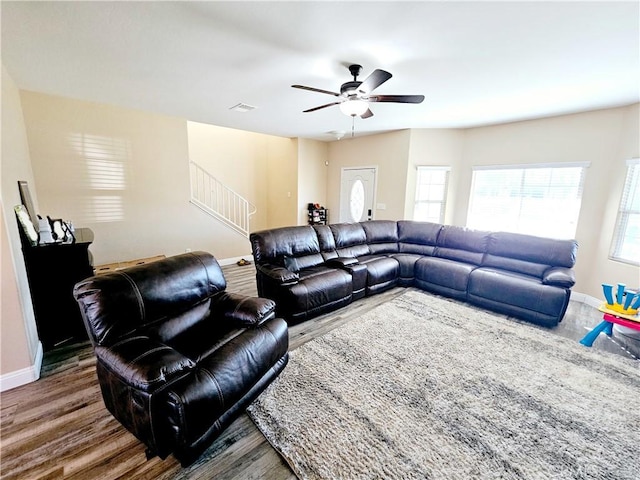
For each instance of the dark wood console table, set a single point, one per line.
(53, 269)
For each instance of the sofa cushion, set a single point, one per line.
(222, 380)
(318, 289)
(407, 262)
(382, 236)
(514, 265)
(187, 280)
(382, 272)
(462, 244)
(442, 275)
(417, 237)
(529, 248)
(350, 238)
(326, 241)
(273, 246)
(511, 288)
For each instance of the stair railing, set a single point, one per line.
(220, 201)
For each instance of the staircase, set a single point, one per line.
(219, 201)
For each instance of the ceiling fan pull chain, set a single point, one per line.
(353, 123)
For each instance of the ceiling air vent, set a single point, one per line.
(242, 108)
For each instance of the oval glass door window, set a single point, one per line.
(356, 200)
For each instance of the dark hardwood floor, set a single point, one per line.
(58, 427)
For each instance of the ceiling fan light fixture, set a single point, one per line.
(354, 108)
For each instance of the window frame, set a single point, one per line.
(443, 201)
(625, 210)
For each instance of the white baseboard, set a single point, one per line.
(586, 299)
(229, 261)
(23, 376)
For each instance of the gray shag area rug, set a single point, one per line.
(422, 387)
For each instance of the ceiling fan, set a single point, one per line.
(355, 96)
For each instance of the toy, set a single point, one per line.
(622, 311)
(626, 302)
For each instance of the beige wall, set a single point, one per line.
(19, 338)
(313, 159)
(125, 174)
(435, 147)
(282, 182)
(605, 139)
(389, 152)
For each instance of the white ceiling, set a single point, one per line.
(477, 63)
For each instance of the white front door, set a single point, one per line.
(357, 192)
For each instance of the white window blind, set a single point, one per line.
(431, 194)
(626, 238)
(541, 200)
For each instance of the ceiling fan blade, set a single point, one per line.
(373, 81)
(312, 89)
(367, 114)
(321, 106)
(397, 98)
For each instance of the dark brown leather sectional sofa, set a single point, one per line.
(309, 270)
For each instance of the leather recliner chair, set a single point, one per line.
(178, 357)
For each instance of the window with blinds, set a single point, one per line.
(541, 200)
(431, 194)
(626, 238)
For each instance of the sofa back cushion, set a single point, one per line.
(417, 237)
(290, 247)
(120, 303)
(351, 239)
(462, 244)
(382, 236)
(529, 254)
(326, 241)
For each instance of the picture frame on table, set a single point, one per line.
(29, 230)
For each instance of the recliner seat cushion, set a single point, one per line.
(221, 379)
(444, 276)
(522, 296)
(382, 272)
(512, 288)
(407, 265)
(319, 288)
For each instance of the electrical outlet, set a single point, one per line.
(187, 250)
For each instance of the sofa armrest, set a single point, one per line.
(243, 310)
(279, 274)
(143, 363)
(559, 277)
(341, 262)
